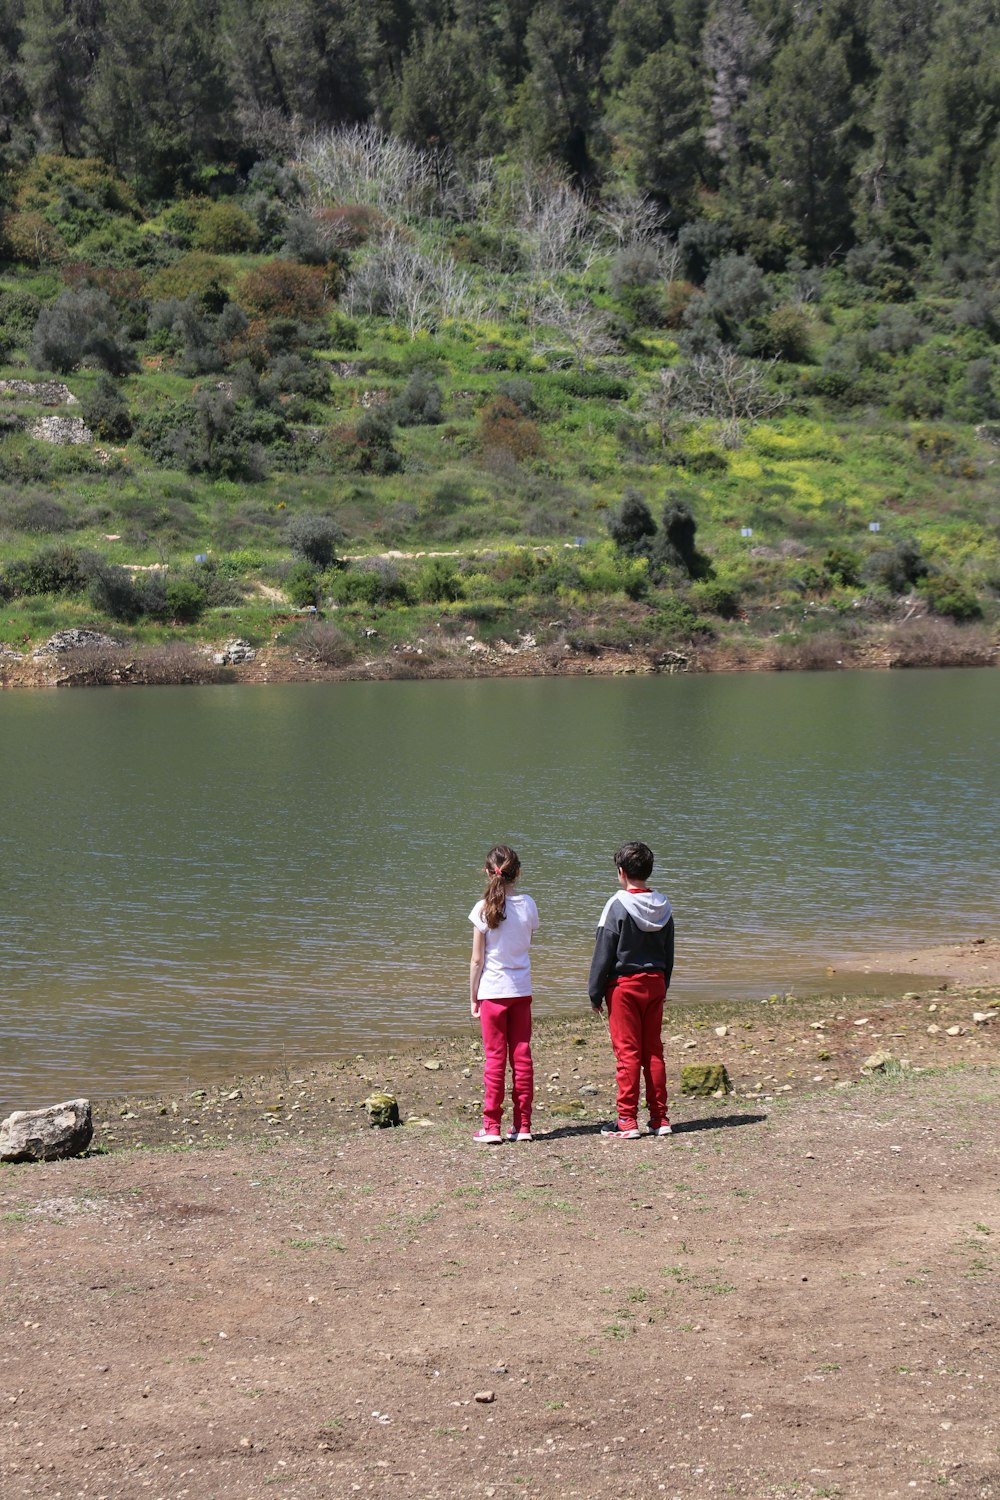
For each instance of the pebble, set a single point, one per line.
(485, 1397)
(933, 1030)
(722, 1030)
(432, 1065)
(955, 1031)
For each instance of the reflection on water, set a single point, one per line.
(198, 881)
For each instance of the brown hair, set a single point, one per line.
(636, 860)
(502, 867)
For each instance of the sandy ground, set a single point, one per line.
(246, 1292)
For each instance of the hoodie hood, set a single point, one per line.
(648, 909)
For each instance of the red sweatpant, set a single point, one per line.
(635, 1017)
(507, 1033)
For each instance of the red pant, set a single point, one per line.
(635, 1016)
(507, 1032)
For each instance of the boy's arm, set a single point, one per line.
(668, 951)
(602, 965)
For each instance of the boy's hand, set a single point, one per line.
(596, 1008)
(474, 1007)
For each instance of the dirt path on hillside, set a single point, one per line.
(247, 1293)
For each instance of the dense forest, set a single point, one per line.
(779, 128)
(675, 325)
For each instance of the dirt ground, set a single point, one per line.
(244, 1291)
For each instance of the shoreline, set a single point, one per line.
(440, 1077)
(956, 647)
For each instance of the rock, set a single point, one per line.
(64, 431)
(48, 1134)
(382, 1110)
(955, 1031)
(705, 1079)
(879, 1062)
(233, 652)
(432, 1065)
(486, 1397)
(722, 1030)
(983, 1017)
(75, 640)
(48, 392)
(933, 1030)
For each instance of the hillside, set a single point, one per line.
(489, 407)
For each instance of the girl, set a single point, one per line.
(500, 994)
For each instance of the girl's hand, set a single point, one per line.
(474, 1007)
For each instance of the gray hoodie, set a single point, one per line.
(635, 935)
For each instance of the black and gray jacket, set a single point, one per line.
(635, 935)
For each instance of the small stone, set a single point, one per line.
(933, 1030)
(722, 1030)
(879, 1062)
(432, 1065)
(863, 1021)
(485, 1397)
(983, 1017)
(955, 1031)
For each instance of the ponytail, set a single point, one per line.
(502, 868)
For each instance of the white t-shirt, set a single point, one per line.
(507, 969)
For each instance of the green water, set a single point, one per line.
(198, 881)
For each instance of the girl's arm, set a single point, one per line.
(476, 968)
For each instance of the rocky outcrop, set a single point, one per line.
(48, 392)
(64, 431)
(234, 652)
(74, 640)
(47, 1134)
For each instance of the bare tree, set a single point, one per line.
(556, 223)
(722, 385)
(631, 218)
(400, 282)
(362, 164)
(734, 49)
(579, 327)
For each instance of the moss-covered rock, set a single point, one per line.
(382, 1110)
(705, 1079)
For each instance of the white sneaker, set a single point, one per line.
(520, 1135)
(486, 1137)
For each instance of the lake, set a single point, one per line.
(202, 881)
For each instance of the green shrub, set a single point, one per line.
(105, 411)
(184, 599)
(375, 583)
(675, 619)
(631, 525)
(593, 385)
(842, 566)
(950, 597)
(80, 326)
(437, 582)
(302, 585)
(203, 277)
(419, 402)
(315, 538)
(717, 598)
(224, 229)
(283, 289)
(114, 592)
(53, 570)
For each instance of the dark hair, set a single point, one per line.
(636, 860)
(502, 867)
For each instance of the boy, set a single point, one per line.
(631, 968)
